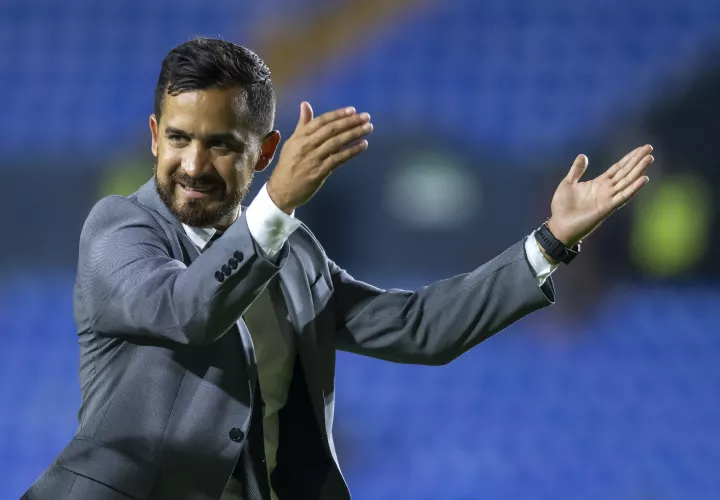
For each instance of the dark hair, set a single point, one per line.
(210, 63)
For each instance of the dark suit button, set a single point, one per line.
(236, 434)
(233, 263)
(226, 270)
(219, 276)
(238, 255)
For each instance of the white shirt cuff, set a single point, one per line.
(269, 226)
(543, 269)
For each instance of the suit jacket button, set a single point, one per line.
(226, 270)
(236, 434)
(233, 263)
(219, 276)
(238, 255)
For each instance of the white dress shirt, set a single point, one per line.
(275, 348)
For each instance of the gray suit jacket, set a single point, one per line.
(167, 377)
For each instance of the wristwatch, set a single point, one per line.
(553, 247)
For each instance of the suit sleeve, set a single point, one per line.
(131, 285)
(438, 323)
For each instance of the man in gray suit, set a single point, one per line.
(208, 332)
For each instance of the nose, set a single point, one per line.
(196, 161)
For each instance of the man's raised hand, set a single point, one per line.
(315, 149)
(578, 207)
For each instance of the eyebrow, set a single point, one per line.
(221, 137)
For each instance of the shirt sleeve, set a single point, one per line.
(269, 226)
(543, 269)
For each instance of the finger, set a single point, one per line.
(623, 161)
(334, 161)
(624, 196)
(353, 143)
(633, 174)
(337, 127)
(629, 162)
(578, 169)
(306, 115)
(340, 141)
(328, 117)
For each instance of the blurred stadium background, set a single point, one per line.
(479, 108)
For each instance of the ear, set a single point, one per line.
(267, 150)
(154, 134)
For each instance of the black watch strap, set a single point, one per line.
(553, 247)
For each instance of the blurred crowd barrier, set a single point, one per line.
(479, 109)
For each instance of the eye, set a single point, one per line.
(222, 147)
(177, 139)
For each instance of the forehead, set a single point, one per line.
(206, 110)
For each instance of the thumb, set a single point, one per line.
(306, 114)
(578, 169)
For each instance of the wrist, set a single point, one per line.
(278, 199)
(550, 260)
(560, 235)
(553, 249)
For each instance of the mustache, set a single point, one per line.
(204, 182)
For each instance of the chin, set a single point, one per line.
(197, 213)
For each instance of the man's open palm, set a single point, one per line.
(578, 208)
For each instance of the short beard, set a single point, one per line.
(192, 212)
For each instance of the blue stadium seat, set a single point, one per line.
(508, 76)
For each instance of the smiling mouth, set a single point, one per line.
(197, 191)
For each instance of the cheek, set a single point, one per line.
(167, 162)
(234, 172)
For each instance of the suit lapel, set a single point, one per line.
(298, 299)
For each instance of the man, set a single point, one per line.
(208, 332)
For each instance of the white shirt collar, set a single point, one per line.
(199, 235)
